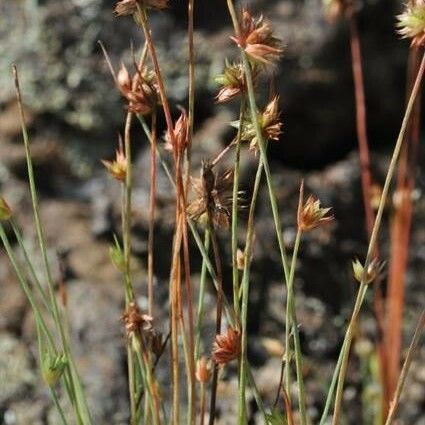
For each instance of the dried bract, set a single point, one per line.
(227, 347)
(368, 275)
(213, 197)
(117, 168)
(257, 39)
(135, 321)
(203, 370)
(140, 90)
(411, 23)
(5, 210)
(180, 135)
(269, 121)
(310, 214)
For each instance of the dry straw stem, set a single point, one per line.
(372, 244)
(402, 379)
(182, 227)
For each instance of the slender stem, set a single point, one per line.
(261, 144)
(81, 405)
(359, 91)
(33, 274)
(402, 379)
(245, 297)
(291, 318)
(373, 241)
(201, 304)
(203, 404)
(128, 189)
(235, 198)
(219, 312)
(57, 405)
(331, 388)
(191, 114)
(152, 205)
(131, 383)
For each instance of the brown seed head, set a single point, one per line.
(213, 197)
(411, 23)
(135, 320)
(124, 80)
(140, 90)
(203, 370)
(311, 214)
(118, 168)
(5, 210)
(257, 39)
(180, 133)
(227, 347)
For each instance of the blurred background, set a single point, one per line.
(75, 114)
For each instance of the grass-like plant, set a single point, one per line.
(203, 206)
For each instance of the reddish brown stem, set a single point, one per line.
(364, 157)
(366, 180)
(400, 237)
(152, 206)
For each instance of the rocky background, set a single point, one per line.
(74, 114)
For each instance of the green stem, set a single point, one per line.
(291, 320)
(235, 211)
(331, 389)
(201, 304)
(373, 241)
(245, 297)
(30, 266)
(57, 405)
(81, 405)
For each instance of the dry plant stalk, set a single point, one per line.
(215, 208)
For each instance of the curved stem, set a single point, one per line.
(373, 240)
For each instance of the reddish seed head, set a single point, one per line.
(135, 320)
(257, 39)
(311, 214)
(227, 347)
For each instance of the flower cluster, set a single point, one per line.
(310, 214)
(257, 39)
(411, 23)
(269, 122)
(232, 81)
(227, 347)
(213, 197)
(118, 167)
(179, 136)
(130, 7)
(367, 274)
(135, 321)
(140, 90)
